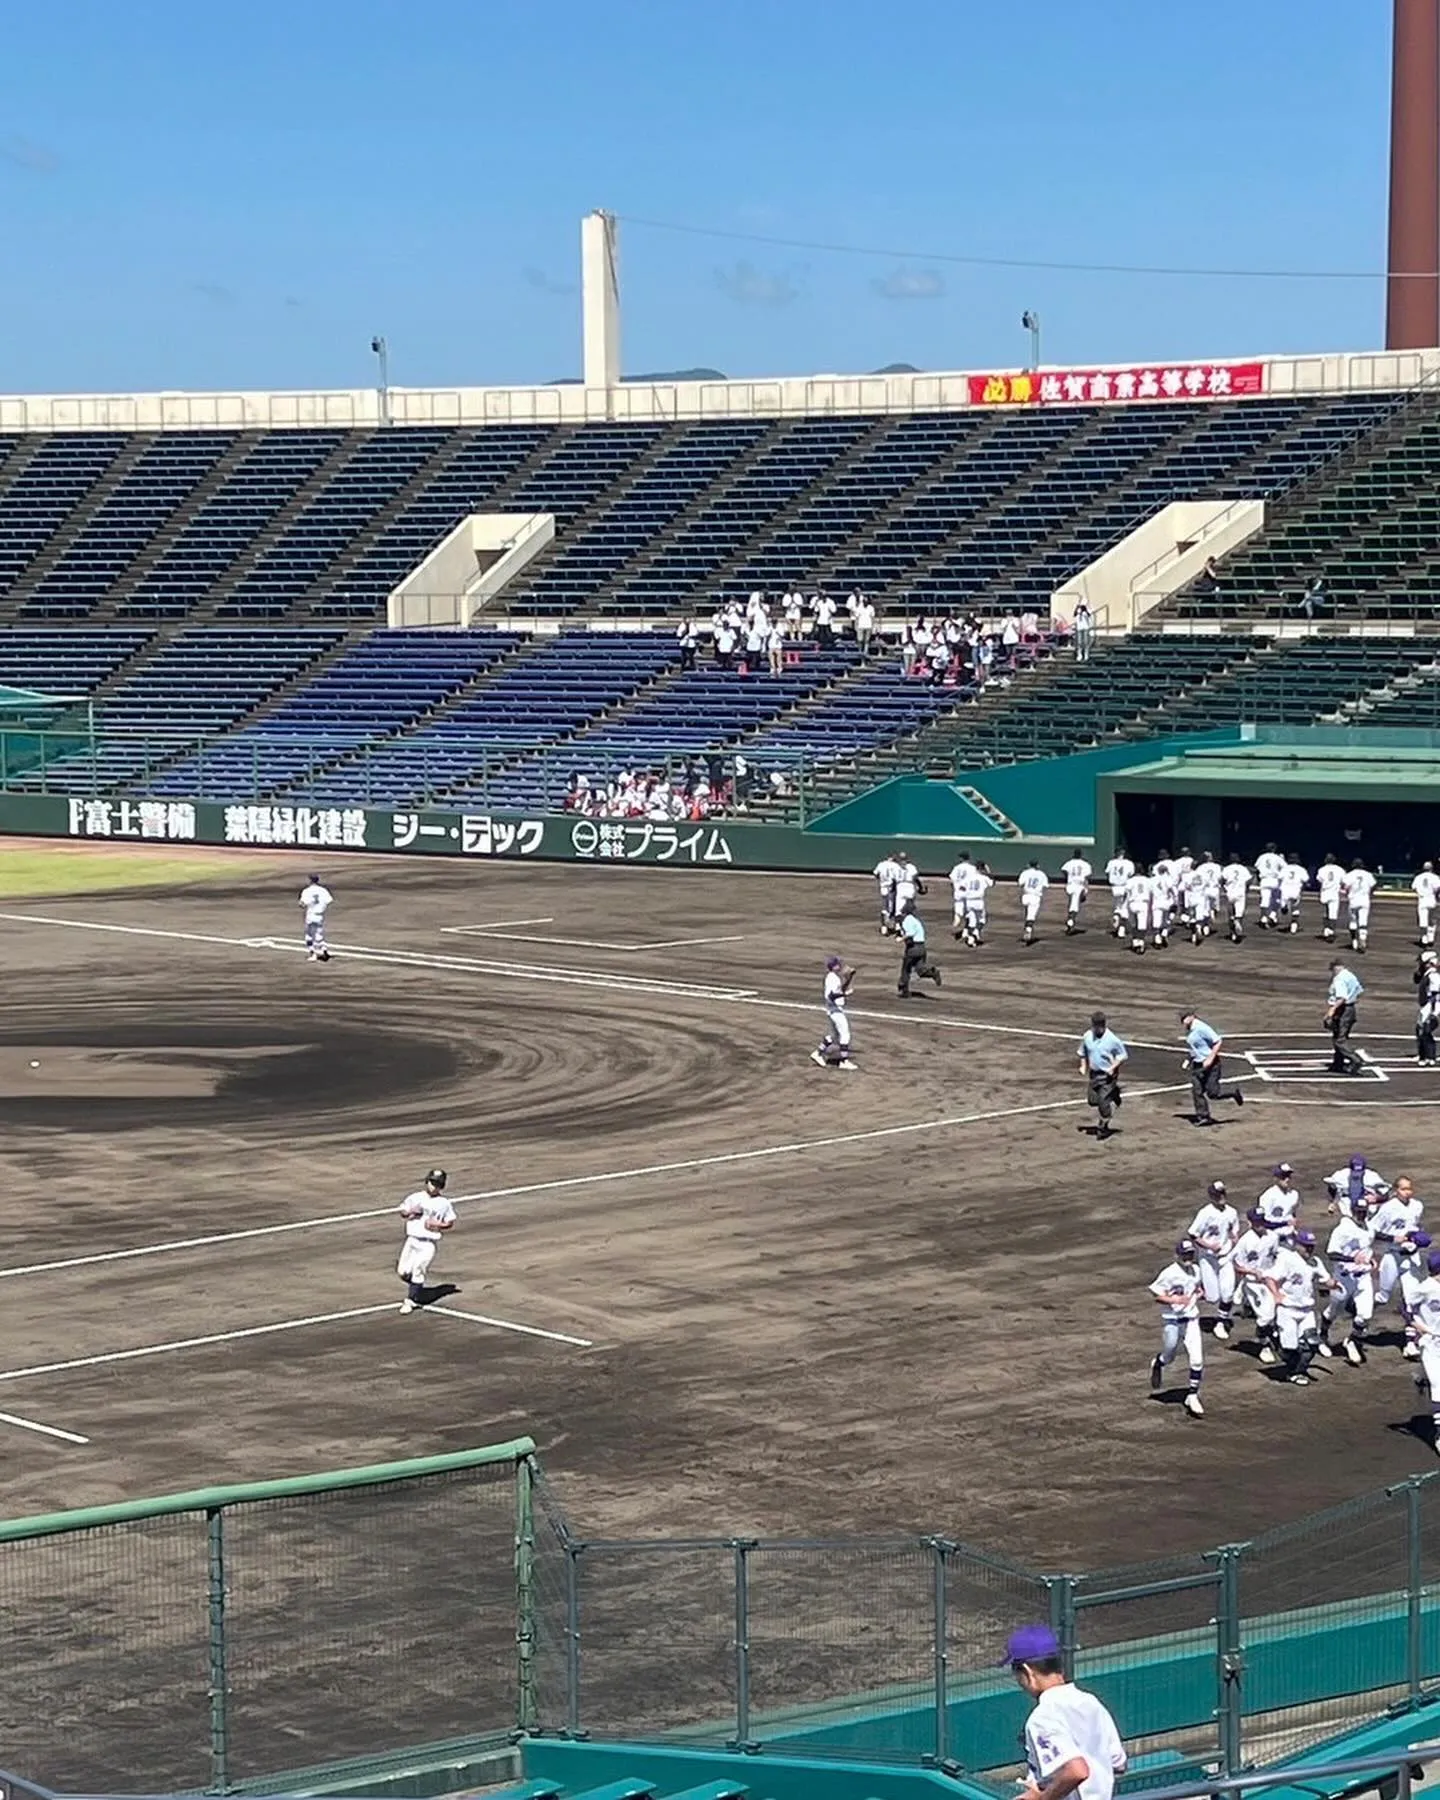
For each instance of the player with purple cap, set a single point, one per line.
(1072, 1745)
(1425, 1323)
(1400, 1244)
(1351, 1250)
(1357, 1177)
(1254, 1253)
(1177, 1290)
(1295, 1278)
(834, 1048)
(1214, 1230)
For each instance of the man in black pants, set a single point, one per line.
(1101, 1054)
(1340, 1003)
(913, 959)
(1202, 1065)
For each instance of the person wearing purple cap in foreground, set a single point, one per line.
(1425, 1323)
(1177, 1288)
(1357, 1177)
(1215, 1229)
(1255, 1250)
(834, 1050)
(1072, 1745)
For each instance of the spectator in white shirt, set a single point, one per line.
(725, 645)
(775, 648)
(864, 624)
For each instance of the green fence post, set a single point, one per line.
(1062, 1618)
(940, 1550)
(525, 1714)
(802, 784)
(219, 1686)
(1229, 1659)
(742, 1548)
(572, 1639)
(1414, 1591)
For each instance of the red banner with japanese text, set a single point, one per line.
(1148, 381)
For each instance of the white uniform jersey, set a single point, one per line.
(886, 871)
(834, 991)
(1330, 879)
(1295, 1277)
(1425, 887)
(1209, 873)
(1119, 872)
(1163, 870)
(907, 883)
(1359, 886)
(1137, 897)
(1184, 863)
(1352, 1246)
(1236, 878)
(1067, 1723)
(1279, 1204)
(1077, 873)
(1194, 893)
(1215, 1228)
(1254, 1252)
(1179, 1289)
(317, 901)
(419, 1208)
(1375, 1185)
(1163, 885)
(1396, 1218)
(1425, 1308)
(959, 875)
(1032, 883)
(1294, 878)
(1269, 865)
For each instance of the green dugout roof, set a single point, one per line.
(1275, 771)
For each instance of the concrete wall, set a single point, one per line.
(1156, 559)
(467, 568)
(806, 395)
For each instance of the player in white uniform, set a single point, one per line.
(315, 901)
(887, 872)
(834, 1049)
(1427, 1338)
(1279, 1205)
(1208, 872)
(1163, 894)
(1397, 1228)
(907, 884)
(1177, 1289)
(959, 876)
(1032, 883)
(1236, 878)
(1427, 1008)
(978, 884)
(1077, 873)
(428, 1216)
(1196, 904)
(1426, 889)
(1119, 872)
(1355, 1179)
(1269, 865)
(1295, 1278)
(1294, 879)
(1330, 879)
(1359, 886)
(1351, 1250)
(1214, 1231)
(1138, 893)
(1254, 1253)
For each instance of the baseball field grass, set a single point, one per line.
(29, 871)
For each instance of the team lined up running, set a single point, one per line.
(1196, 896)
(1269, 1266)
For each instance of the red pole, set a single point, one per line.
(1412, 311)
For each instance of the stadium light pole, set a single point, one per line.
(1412, 310)
(382, 352)
(1031, 322)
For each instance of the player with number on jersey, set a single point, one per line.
(1426, 889)
(1359, 886)
(1032, 883)
(1269, 866)
(833, 1051)
(1330, 879)
(1077, 873)
(1119, 872)
(1177, 1288)
(1215, 1230)
(1236, 878)
(428, 1215)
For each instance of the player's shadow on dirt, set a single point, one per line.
(431, 1295)
(1174, 1396)
(1417, 1426)
(1245, 1347)
(1093, 1131)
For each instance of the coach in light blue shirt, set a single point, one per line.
(1345, 991)
(1203, 1044)
(1101, 1054)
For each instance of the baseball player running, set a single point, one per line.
(1427, 1007)
(315, 901)
(1077, 873)
(1214, 1231)
(1139, 891)
(1255, 1250)
(1032, 883)
(1359, 888)
(1269, 866)
(1294, 1278)
(834, 1048)
(1427, 1340)
(1236, 878)
(1397, 1228)
(887, 873)
(1164, 893)
(1330, 879)
(1355, 1181)
(1119, 872)
(1294, 878)
(1351, 1250)
(1177, 1289)
(978, 884)
(1280, 1203)
(428, 1215)
(1426, 889)
(959, 885)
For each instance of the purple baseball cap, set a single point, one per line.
(1422, 1240)
(1030, 1644)
(1357, 1161)
(1433, 1262)
(833, 962)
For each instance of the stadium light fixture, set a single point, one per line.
(382, 351)
(1031, 322)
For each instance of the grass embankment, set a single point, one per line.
(30, 872)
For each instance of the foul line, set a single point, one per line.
(68, 1437)
(441, 964)
(557, 1337)
(720, 1159)
(569, 943)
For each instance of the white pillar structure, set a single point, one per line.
(600, 300)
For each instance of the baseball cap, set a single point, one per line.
(1282, 1169)
(1432, 1262)
(1357, 1161)
(1306, 1238)
(1185, 1247)
(832, 962)
(1422, 1240)
(1216, 1188)
(436, 1178)
(1031, 1643)
(1255, 1216)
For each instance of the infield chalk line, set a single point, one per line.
(250, 1331)
(557, 1337)
(496, 925)
(799, 1147)
(569, 943)
(54, 1431)
(575, 977)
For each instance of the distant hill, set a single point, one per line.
(662, 375)
(897, 369)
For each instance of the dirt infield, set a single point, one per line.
(769, 1298)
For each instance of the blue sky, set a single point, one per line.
(207, 196)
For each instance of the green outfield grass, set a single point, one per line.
(29, 873)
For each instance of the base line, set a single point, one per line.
(568, 943)
(68, 1437)
(797, 1148)
(557, 1337)
(195, 1343)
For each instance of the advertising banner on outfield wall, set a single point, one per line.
(1150, 381)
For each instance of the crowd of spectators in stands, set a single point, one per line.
(694, 788)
